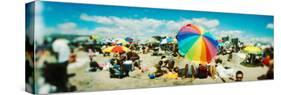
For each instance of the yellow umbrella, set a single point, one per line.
(252, 50)
(108, 49)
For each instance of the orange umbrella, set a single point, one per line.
(119, 49)
(116, 49)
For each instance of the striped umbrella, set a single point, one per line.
(196, 44)
(116, 49)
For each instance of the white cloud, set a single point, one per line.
(98, 19)
(206, 22)
(264, 40)
(144, 27)
(243, 36)
(116, 27)
(270, 26)
(71, 28)
(68, 26)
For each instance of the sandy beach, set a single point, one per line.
(100, 80)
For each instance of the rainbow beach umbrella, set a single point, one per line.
(196, 44)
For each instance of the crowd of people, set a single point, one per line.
(53, 58)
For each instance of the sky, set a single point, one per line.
(142, 23)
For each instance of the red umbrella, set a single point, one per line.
(119, 49)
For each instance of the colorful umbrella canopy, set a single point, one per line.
(196, 44)
(116, 49)
(252, 50)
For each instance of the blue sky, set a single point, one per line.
(91, 18)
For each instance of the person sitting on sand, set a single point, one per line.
(116, 68)
(189, 71)
(171, 64)
(227, 73)
(94, 66)
(136, 64)
(159, 72)
(127, 66)
(162, 61)
(176, 72)
(239, 76)
(202, 71)
(212, 71)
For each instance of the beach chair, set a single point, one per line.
(116, 72)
